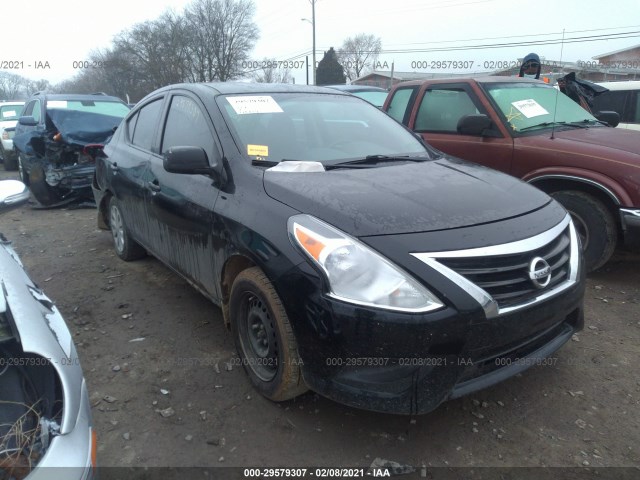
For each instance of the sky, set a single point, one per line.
(50, 38)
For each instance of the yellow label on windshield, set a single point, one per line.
(260, 150)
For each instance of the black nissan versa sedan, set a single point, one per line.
(348, 257)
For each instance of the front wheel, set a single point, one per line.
(126, 248)
(24, 176)
(44, 193)
(264, 338)
(595, 225)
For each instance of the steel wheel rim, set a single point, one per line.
(117, 228)
(258, 337)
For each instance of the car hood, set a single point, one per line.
(405, 197)
(604, 137)
(40, 328)
(77, 129)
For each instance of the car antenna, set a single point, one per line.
(555, 107)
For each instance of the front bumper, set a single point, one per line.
(630, 220)
(72, 177)
(70, 456)
(409, 363)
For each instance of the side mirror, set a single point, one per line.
(477, 124)
(610, 117)
(13, 193)
(27, 121)
(188, 160)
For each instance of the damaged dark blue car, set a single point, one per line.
(57, 137)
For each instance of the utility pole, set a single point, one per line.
(313, 27)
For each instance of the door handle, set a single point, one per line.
(154, 186)
(114, 167)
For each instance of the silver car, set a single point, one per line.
(45, 414)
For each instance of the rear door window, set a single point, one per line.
(146, 125)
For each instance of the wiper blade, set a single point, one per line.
(548, 124)
(580, 124)
(543, 124)
(589, 121)
(374, 160)
(264, 163)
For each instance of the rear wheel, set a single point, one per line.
(126, 248)
(44, 193)
(595, 225)
(264, 338)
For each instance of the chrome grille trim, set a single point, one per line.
(488, 303)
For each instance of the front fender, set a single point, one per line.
(605, 184)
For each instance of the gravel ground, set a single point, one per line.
(166, 388)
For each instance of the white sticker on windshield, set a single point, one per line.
(250, 104)
(530, 108)
(297, 166)
(8, 113)
(57, 104)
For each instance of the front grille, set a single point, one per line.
(506, 277)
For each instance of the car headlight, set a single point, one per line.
(355, 272)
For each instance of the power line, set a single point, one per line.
(556, 41)
(516, 36)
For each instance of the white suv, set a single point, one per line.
(9, 114)
(624, 98)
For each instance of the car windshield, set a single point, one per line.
(314, 127)
(528, 106)
(377, 98)
(114, 109)
(10, 112)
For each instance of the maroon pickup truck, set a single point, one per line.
(530, 130)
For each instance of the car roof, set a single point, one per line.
(624, 85)
(483, 79)
(357, 88)
(226, 88)
(2, 104)
(76, 97)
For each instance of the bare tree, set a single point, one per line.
(157, 49)
(222, 35)
(12, 86)
(358, 54)
(209, 41)
(33, 86)
(272, 74)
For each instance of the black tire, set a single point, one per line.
(126, 248)
(41, 190)
(10, 161)
(22, 172)
(264, 338)
(595, 225)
